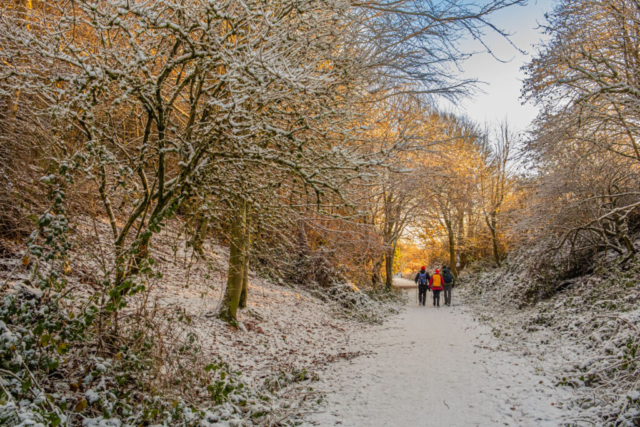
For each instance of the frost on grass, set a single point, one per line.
(586, 336)
(371, 307)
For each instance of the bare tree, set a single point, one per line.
(583, 79)
(451, 193)
(583, 73)
(496, 179)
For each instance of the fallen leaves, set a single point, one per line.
(81, 405)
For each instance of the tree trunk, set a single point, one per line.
(236, 267)
(494, 236)
(303, 243)
(200, 235)
(245, 266)
(464, 260)
(452, 250)
(303, 270)
(245, 284)
(376, 277)
(388, 267)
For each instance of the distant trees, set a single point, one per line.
(468, 192)
(496, 178)
(395, 199)
(449, 196)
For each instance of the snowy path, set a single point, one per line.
(436, 367)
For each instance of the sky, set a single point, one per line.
(502, 81)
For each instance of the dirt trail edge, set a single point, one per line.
(436, 367)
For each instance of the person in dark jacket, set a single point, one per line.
(422, 280)
(448, 284)
(436, 284)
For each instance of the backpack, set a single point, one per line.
(448, 277)
(422, 278)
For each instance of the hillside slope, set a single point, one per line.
(181, 365)
(586, 335)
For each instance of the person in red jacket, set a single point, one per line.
(436, 284)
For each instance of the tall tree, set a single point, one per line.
(451, 192)
(496, 179)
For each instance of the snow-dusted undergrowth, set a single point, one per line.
(189, 368)
(586, 334)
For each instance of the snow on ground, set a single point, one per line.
(285, 328)
(424, 367)
(286, 333)
(586, 336)
(436, 367)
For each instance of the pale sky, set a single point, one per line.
(501, 97)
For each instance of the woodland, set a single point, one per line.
(291, 146)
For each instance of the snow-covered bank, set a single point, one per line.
(437, 367)
(192, 369)
(585, 337)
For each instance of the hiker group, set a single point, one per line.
(437, 283)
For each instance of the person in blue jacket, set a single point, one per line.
(422, 280)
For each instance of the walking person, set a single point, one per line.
(436, 284)
(422, 280)
(448, 284)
